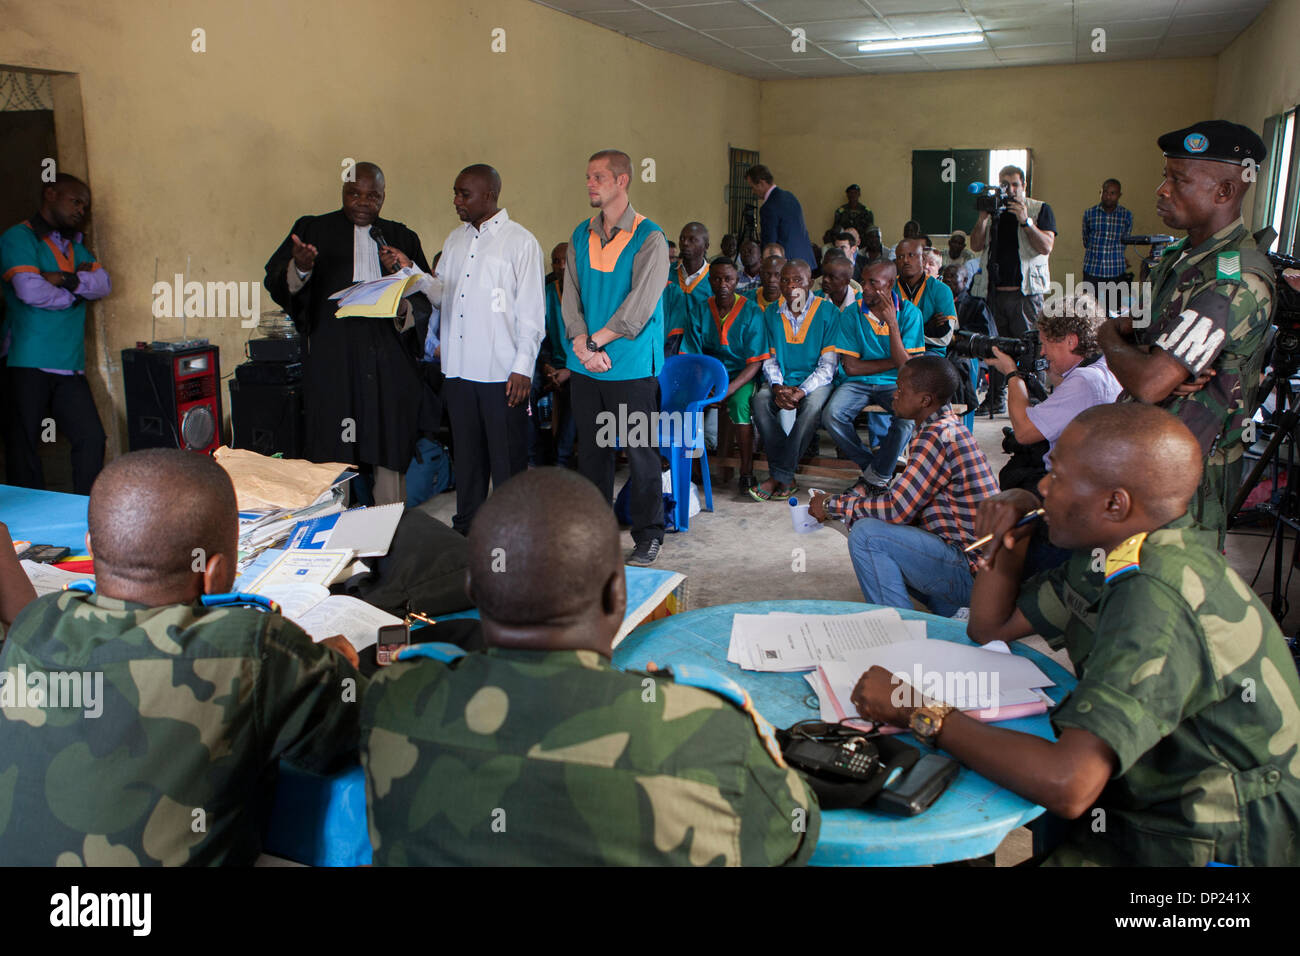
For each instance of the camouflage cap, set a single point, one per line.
(1215, 140)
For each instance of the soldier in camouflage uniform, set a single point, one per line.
(160, 745)
(1180, 745)
(538, 751)
(853, 214)
(1212, 298)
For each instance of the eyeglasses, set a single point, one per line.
(826, 732)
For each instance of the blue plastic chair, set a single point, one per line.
(686, 383)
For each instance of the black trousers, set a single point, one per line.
(590, 398)
(35, 397)
(1015, 314)
(491, 441)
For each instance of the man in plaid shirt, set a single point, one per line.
(908, 539)
(1103, 227)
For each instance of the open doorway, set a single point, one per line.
(41, 127)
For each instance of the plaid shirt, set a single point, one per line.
(946, 478)
(1102, 230)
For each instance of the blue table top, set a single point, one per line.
(45, 517)
(972, 817)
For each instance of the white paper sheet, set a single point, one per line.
(356, 620)
(297, 566)
(47, 579)
(786, 642)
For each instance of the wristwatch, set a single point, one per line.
(927, 722)
(592, 346)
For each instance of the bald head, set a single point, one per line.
(370, 171)
(156, 518)
(544, 558)
(486, 175)
(1141, 448)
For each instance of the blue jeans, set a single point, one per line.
(843, 407)
(895, 561)
(783, 450)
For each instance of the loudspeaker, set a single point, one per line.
(172, 398)
(267, 418)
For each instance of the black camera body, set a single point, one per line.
(1024, 348)
(993, 199)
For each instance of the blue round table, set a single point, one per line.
(972, 817)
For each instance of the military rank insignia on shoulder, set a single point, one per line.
(1125, 559)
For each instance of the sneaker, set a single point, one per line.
(644, 553)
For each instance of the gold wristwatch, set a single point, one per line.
(927, 722)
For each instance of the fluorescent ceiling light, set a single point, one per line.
(917, 43)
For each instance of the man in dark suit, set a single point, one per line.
(781, 216)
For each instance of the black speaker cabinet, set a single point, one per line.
(173, 398)
(267, 418)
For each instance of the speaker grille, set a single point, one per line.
(198, 428)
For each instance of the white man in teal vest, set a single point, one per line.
(49, 275)
(614, 277)
(1025, 235)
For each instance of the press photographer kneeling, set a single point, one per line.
(1067, 339)
(1080, 378)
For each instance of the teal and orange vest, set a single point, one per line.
(605, 278)
(42, 338)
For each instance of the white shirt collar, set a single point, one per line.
(491, 225)
(694, 275)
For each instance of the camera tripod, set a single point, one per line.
(1286, 511)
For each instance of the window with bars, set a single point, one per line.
(742, 207)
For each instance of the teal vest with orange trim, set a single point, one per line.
(798, 354)
(42, 338)
(605, 278)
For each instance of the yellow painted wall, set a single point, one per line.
(211, 156)
(1083, 123)
(1259, 72)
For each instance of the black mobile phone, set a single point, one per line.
(918, 787)
(855, 759)
(44, 553)
(392, 638)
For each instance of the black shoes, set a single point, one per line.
(644, 553)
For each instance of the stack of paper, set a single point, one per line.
(47, 579)
(989, 683)
(375, 298)
(790, 642)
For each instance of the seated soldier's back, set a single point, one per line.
(157, 736)
(555, 757)
(1186, 676)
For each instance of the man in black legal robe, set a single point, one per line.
(365, 402)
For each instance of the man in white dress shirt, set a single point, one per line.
(493, 322)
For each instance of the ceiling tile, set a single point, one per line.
(705, 16)
(888, 8)
(795, 12)
(1100, 10)
(1220, 6)
(1123, 29)
(628, 21)
(1183, 25)
(751, 36)
(583, 7)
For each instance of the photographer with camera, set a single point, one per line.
(1074, 362)
(1212, 294)
(1014, 236)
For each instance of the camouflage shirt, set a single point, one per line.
(1183, 673)
(1211, 309)
(158, 733)
(860, 219)
(514, 757)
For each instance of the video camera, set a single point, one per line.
(1286, 315)
(991, 198)
(1023, 348)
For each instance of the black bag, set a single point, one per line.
(836, 793)
(423, 571)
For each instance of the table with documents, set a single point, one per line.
(971, 818)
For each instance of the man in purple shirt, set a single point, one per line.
(48, 277)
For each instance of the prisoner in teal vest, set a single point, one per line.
(605, 278)
(798, 354)
(42, 338)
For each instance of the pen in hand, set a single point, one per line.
(1027, 519)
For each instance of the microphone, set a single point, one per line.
(378, 236)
